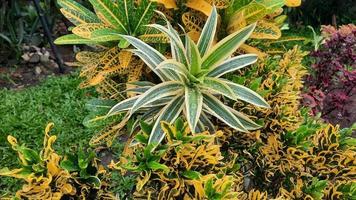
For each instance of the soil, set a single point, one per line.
(32, 71)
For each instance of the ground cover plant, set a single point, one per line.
(195, 100)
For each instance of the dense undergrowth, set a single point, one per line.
(211, 109)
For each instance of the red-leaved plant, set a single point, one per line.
(331, 84)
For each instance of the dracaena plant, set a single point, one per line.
(192, 81)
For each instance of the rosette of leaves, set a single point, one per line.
(192, 81)
(174, 169)
(103, 29)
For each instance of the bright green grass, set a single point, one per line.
(25, 113)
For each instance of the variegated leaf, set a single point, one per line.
(246, 94)
(208, 33)
(168, 114)
(220, 111)
(85, 30)
(193, 105)
(215, 85)
(233, 64)
(72, 39)
(226, 47)
(158, 91)
(266, 30)
(109, 13)
(105, 35)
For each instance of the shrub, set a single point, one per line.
(102, 30)
(49, 176)
(186, 165)
(331, 85)
(191, 79)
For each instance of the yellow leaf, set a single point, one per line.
(142, 179)
(220, 4)
(134, 74)
(125, 58)
(253, 12)
(111, 62)
(154, 38)
(71, 16)
(193, 21)
(237, 23)
(248, 49)
(85, 30)
(200, 5)
(88, 56)
(194, 35)
(293, 3)
(169, 4)
(108, 134)
(266, 30)
(280, 20)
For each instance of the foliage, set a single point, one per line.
(282, 158)
(24, 111)
(235, 15)
(190, 79)
(46, 178)
(175, 168)
(102, 28)
(331, 85)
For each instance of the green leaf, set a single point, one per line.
(73, 39)
(248, 95)
(193, 57)
(233, 64)
(77, 13)
(110, 13)
(105, 35)
(161, 90)
(208, 33)
(169, 114)
(193, 105)
(143, 15)
(99, 105)
(194, 175)
(177, 46)
(30, 155)
(255, 84)
(219, 110)
(226, 47)
(245, 121)
(122, 106)
(176, 68)
(153, 57)
(69, 166)
(146, 128)
(157, 166)
(215, 85)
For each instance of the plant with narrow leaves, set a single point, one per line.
(192, 80)
(235, 15)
